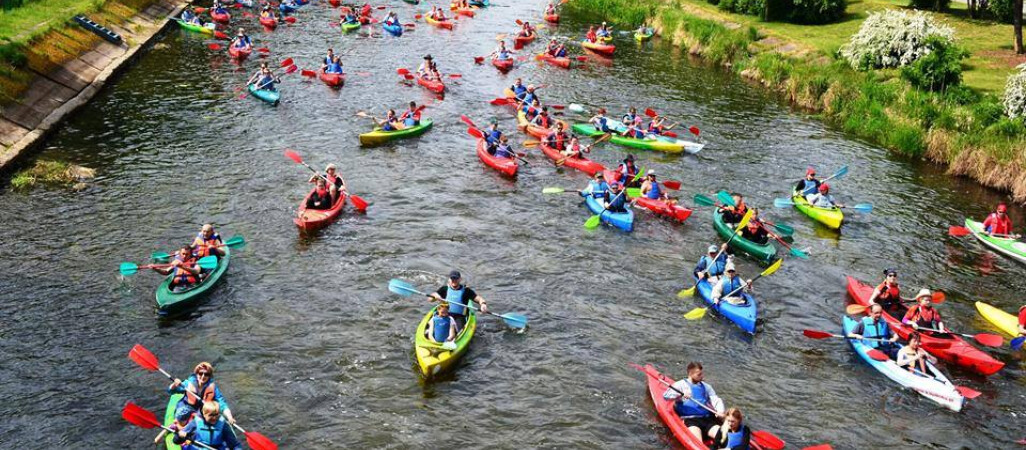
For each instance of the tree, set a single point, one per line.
(1017, 25)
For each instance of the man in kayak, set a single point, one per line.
(518, 89)
(201, 383)
(710, 268)
(616, 198)
(391, 19)
(183, 266)
(650, 189)
(542, 119)
(189, 16)
(557, 138)
(734, 214)
(441, 328)
(730, 286)
(874, 327)
(633, 130)
(207, 242)
(923, 314)
(329, 58)
(458, 296)
(264, 78)
(734, 434)
(913, 357)
(391, 122)
(998, 223)
(493, 134)
(426, 68)
(411, 117)
(604, 32)
(887, 294)
(755, 231)
(501, 53)
(335, 66)
(242, 40)
(527, 30)
(627, 172)
(601, 122)
(692, 393)
(823, 199)
(209, 429)
(597, 187)
(808, 185)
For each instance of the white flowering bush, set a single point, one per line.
(893, 38)
(1015, 93)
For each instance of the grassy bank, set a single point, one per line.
(963, 128)
(39, 36)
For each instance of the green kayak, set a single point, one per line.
(762, 252)
(168, 301)
(1009, 247)
(196, 28)
(831, 217)
(661, 143)
(266, 95)
(350, 26)
(169, 419)
(378, 137)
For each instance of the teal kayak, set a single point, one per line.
(764, 252)
(266, 95)
(169, 301)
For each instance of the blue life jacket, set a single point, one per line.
(493, 136)
(713, 268)
(655, 192)
(243, 41)
(387, 126)
(730, 285)
(519, 91)
(455, 295)
(334, 68)
(529, 98)
(188, 16)
(604, 125)
(504, 55)
(561, 53)
(212, 435)
(629, 118)
(688, 408)
(598, 189)
(878, 330)
(327, 61)
(617, 202)
(809, 187)
(503, 151)
(440, 330)
(266, 82)
(735, 438)
(351, 18)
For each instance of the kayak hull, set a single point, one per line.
(443, 24)
(600, 48)
(310, 220)
(195, 28)
(332, 79)
(1009, 247)
(239, 53)
(1005, 322)
(552, 18)
(764, 253)
(432, 85)
(169, 419)
(350, 26)
(504, 65)
(378, 137)
(394, 30)
(169, 302)
(830, 217)
(520, 42)
(266, 95)
(269, 22)
(467, 12)
(660, 207)
(642, 37)
(558, 62)
(661, 143)
(939, 388)
(433, 360)
(535, 130)
(950, 349)
(220, 17)
(584, 165)
(667, 414)
(507, 166)
(621, 220)
(744, 315)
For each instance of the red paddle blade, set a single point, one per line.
(958, 231)
(500, 102)
(478, 59)
(767, 440)
(582, 58)
(455, 75)
(645, 370)
(290, 154)
(264, 50)
(247, 15)
(650, 112)
(292, 69)
(308, 73)
(475, 132)
(557, 106)
(418, 16)
(144, 358)
(200, 10)
(408, 76)
(694, 130)
(290, 19)
(877, 355)
(359, 203)
(937, 297)
(402, 71)
(214, 47)
(816, 334)
(670, 134)
(466, 120)
(672, 184)
(139, 416)
(990, 340)
(968, 393)
(381, 7)
(520, 22)
(220, 35)
(258, 441)
(287, 62)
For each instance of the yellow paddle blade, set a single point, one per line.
(685, 293)
(592, 222)
(773, 267)
(854, 310)
(696, 314)
(744, 221)
(531, 144)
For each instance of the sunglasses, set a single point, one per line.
(202, 374)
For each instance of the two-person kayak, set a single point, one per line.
(657, 143)
(600, 48)
(379, 136)
(1006, 322)
(563, 62)
(507, 166)
(830, 217)
(332, 79)
(583, 164)
(170, 302)
(763, 252)
(208, 29)
(744, 315)
(622, 220)
(267, 95)
(660, 207)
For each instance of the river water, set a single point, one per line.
(312, 350)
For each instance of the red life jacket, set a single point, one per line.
(923, 318)
(207, 395)
(204, 245)
(891, 294)
(412, 114)
(559, 140)
(542, 121)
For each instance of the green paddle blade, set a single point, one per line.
(725, 198)
(634, 192)
(799, 253)
(208, 262)
(638, 175)
(160, 257)
(702, 200)
(235, 242)
(592, 222)
(685, 293)
(553, 190)
(783, 228)
(128, 268)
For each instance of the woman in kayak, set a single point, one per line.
(734, 214)
(650, 188)
(913, 357)
(590, 36)
(711, 266)
(616, 198)
(730, 286)
(264, 78)
(527, 30)
(320, 198)
(390, 122)
(557, 138)
(823, 199)
(441, 328)
(209, 429)
(691, 394)
(810, 184)
(242, 40)
(201, 384)
(734, 434)
(574, 149)
(458, 296)
(411, 117)
(998, 223)
(601, 122)
(207, 242)
(333, 182)
(604, 32)
(874, 327)
(633, 130)
(183, 266)
(887, 294)
(755, 231)
(923, 314)
(597, 187)
(631, 116)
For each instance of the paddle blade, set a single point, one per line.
(592, 222)
(220, 35)
(816, 334)
(290, 154)
(531, 144)
(783, 228)
(287, 62)
(694, 130)
(128, 268)
(782, 203)
(264, 50)
(553, 190)
(144, 358)
(864, 208)
(702, 200)
(696, 313)
(402, 288)
(744, 221)
(840, 173)
(725, 198)
(467, 121)
(292, 69)
(650, 112)
(819, 447)
(455, 75)
(235, 242)
(937, 297)
(798, 253)
(358, 203)
(500, 101)
(670, 134)
(290, 19)
(685, 293)
(767, 440)
(208, 262)
(475, 132)
(308, 73)
(878, 355)
(968, 393)
(772, 268)
(854, 310)
(139, 416)
(989, 340)
(160, 257)
(958, 231)
(402, 71)
(479, 59)
(214, 47)
(518, 321)
(258, 441)
(1016, 343)
(672, 184)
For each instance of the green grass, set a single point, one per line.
(34, 19)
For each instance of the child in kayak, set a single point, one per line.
(755, 231)
(734, 214)
(696, 391)
(733, 435)
(183, 266)
(441, 328)
(823, 199)
(264, 78)
(913, 357)
(590, 36)
(208, 429)
(502, 149)
(333, 181)
(627, 172)
(542, 119)
(320, 198)
(874, 327)
(998, 222)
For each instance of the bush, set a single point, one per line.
(1001, 10)
(1015, 93)
(938, 69)
(893, 39)
(713, 2)
(749, 7)
(961, 95)
(807, 11)
(934, 5)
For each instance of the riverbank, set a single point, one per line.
(963, 129)
(50, 68)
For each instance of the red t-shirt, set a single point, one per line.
(997, 225)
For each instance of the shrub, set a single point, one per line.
(714, 2)
(938, 69)
(934, 5)
(1005, 127)
(1001, 10)
(893, 39)
(807, 11)
(961, 95)
(1015, 93)
(749, 7)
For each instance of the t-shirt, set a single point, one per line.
(468, 295)
(1022, 317)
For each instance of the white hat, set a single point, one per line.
(924, 293)
(713, 249)
(729, 267)
(651, 172)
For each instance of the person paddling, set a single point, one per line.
(455, 292)
(441, 328)
(650, 188)
(574, 149)
(734, 214)
(242, 40)
(597, 187)
(998, 222)
(518, 89)
(754, 231)
(730, 284)
(526, 31)
(411, 117)
(604, 31)
(913, 357)
(189, 16)
(333, 183)
(601, 122)
(347, 15)
(183, 266)
(590, 35)
(209, 429)
(700, 421)
(712, 265)
(542, 119)
(531, 96)
(557, 138)
(264, 78)
(630, 117)
(887, 294)
(633, 130)
(923, 314)
(823, 199)
(550, 9)
(627, 172)
(808, 185)
(501, 53)
(874, 327)
(201, 383)
(615, 198)
(391, 19)
(437, 14)
(207, 242)
(391, 122)
(657, 126)
(493, 134)
(734, 434)
(502, 149)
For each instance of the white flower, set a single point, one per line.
(1015, 93)
(893, 38)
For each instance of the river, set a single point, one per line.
(313, 351)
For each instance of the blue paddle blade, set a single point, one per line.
(783, 228)
(160, 257)
(840, 172)
(725, 198)
(208, 262)
(863, 208)
(1017, 342)
(515, 320)
(402, 288)
(128, 268)
(783, 202)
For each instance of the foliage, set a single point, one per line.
(893, 39)
(807, 11)
(1001, 10)
(938, 69)
(933, 5)
(1015, 93)
(748, 7)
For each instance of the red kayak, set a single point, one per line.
(520, 41)
(220, 17)
(239, 53)
(332, 79)
(507, 166)
(504, 65)
(953, 349)
(309, 220)
(584, 165)
(558, 62)
(468, 12)
(552, 18)
(667, 414)
(269, 22)
(435, 86)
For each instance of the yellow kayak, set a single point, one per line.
(1008, 323)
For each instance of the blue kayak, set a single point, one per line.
(285, 9)
(396, 30)
(742, 315)
(621, 220)
(266, 95)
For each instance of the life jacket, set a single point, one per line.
(203, 249)
(504, 54)
(410, 118)
(182, 276)
(735, 438)
(529, 98)
(542, 121)
(728, 285)
(629, 118)
(603, 124)
(591, 36)
(627, 173)
(654, 129)
(655, 192)
(561, 52)
(440, 328)
(556, 140)
(923, 318)
(206, 393)
(998, 225)
(455, 295)
(713, 268)
(690, 408)
(809, 187)
(598, 189)
(616, 202)
(212, 435)
(266, 82)
(519, 91)
(503, 151)
(888, 295)
(875, 330)
(333, 180)
(493, 136)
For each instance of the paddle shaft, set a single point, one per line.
(459, 304)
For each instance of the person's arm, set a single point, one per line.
(681, 386)
(909, 315)
(717, 292)
(439, 294)
(469, 295)
(430, 330)
(857, 331)
(183, 434)
(715, 401)
(700, 268)
(452, 331)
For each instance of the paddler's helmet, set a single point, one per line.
(824, 188)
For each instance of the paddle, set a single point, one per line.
(696, 313)
(769, 271)
(744, 222)
(1016, 343)
(234, 242)
(817, 334)
(593, 221)
(128, 269)
(794, 251)
(781, 227)
(986, 339)
(513, 320)
(559, 190)
(963, 231)
(142, 418)
(359, 203)
(478, 134)
(861, 207)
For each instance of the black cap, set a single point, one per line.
(454, 275)
(890, 271)
(629, 158)
(428, 56)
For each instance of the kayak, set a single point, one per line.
(197, 28)
(935, 387)
(351, 26)
(266, 95)
(412, 2)
(220, 17)
(507, 166)
(504, 65)
(269, 22)
(667, 414)
(604, 38)
(642, 37)
(763, 252)
(169, 419)
(600, 48)
(332, 79)
(377, 136)
(239, 53)
(535, 130)
(743, 315)
(168, 301)
(656, 143)
(584, 165)
(1009, 247)
(953, 349)
(657, 206)
(446, 24)
(285, 9)
(621, 220)
(1006, 322)
(831, 217)
(469, 12)
(310, 220)
(558, 62)
(552, 18)
(520, 41)
(431, 358)
(435, 86)
(395, 30)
